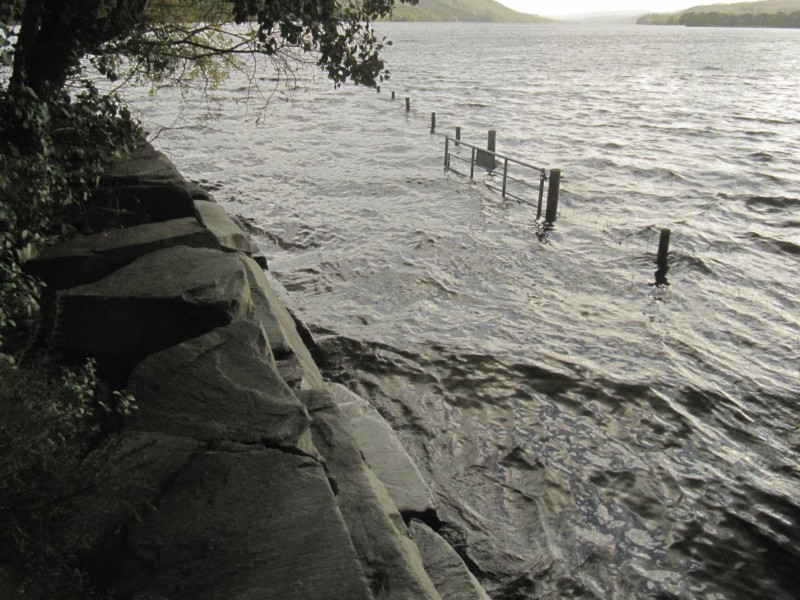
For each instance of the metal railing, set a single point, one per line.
(488, 159)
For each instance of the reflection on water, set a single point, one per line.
(592, 429)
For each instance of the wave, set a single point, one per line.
(781, 246)
(772, 203)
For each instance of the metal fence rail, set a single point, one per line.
(488, 160)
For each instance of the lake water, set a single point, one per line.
(589, 434)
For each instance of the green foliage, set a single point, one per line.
(758, 7)
(58, 134)
(47, 420)
(766, 13)
(5, 45)
(51, 418)
(52, 153)
(779, 20)
(463, 10)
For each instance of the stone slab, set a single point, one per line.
(384, 453)
(392, 565)
(231, 237)
(285, 340)
(89, 258)
(452, 578)
(250, 525)
(157, 301)
(144, 165)
(221, 386)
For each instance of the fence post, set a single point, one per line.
(392, 95)
(458, 135)
(472, 164)
(542, 179)
(378, 88)
(408, 104)
(486, 160)
(505, 176)
(446, 153)
(663, 248)
(552, 196)
(433, 122)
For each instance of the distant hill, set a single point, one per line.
(624, 17)
(764, 6)
(462, 10)
(766, 13)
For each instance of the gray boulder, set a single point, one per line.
(293, 358)
(243, 524)
(86, 259)
(157, 301)
(125, 477)
(449, 574)
(230, 235)
(143, 166)
(390, 560)
(384, 453)
(144, 187)
(221, 386)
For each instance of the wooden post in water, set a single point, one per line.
(552, 196)
(433, 122)
(484, 159)
(392, 95)
(663, 249)
(378, 88)
(458, 135)
(542, 179)
(408, 104)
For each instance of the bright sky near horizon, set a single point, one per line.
(568, 7)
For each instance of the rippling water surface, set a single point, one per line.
(589, 433)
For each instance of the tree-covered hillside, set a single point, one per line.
(766, 13)
(462, 10)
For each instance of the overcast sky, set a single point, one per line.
(567, 7)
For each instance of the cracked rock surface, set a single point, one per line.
(242, 474)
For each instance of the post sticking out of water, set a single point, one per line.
(458, 135)
(392, 95)
(378, 88)
(542, 179)
(662, 258)
(433, 122)
(552, 196)
(663, 249)
(485, 159)
(408, 104)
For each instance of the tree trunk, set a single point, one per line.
(56, 34)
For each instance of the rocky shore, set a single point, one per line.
(243, 475)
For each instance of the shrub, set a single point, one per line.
(48, 421)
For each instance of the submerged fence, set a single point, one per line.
(488, 159)
(530, 182)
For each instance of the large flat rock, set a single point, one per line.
(247, 525)
(89, 258)
(390, 560)
(124, 478)
(448, 572)
(157, 301)
(293, 357)
(231, 237)
(221, 386)
(144, 166)
(384, 453)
